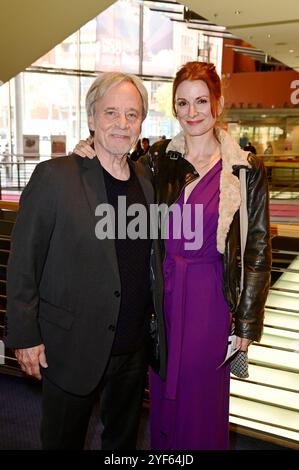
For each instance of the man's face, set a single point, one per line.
(144, 145)
(117, 120)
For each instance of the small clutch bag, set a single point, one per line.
(239, 365)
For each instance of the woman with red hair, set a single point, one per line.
(190, 408)
(200, 166)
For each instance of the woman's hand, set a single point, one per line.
(243, 343)
(84, 149)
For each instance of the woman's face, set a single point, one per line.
(193, 107)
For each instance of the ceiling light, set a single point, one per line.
(238, 12)
(268, 35)
(160, 6)
(291, 50)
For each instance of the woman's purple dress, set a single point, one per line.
(190, 409)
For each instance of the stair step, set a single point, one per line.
(273, 377)
(6, 227)
(4, 243)
(4, 254)
(280, 338)
(287, 284)
(2, 287)
(277, 358)
(292, 437)
(289, 276)
(261, 393)
(268, 414)
(281, 319)
(284, 300)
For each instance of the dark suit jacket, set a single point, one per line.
(63, 283)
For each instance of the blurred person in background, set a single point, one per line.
(141, 149)
(268, 149)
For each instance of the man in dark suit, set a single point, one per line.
(78, 302)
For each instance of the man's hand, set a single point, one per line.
(30, 360)
(84, 149)
(243, 343)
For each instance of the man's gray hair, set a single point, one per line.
(105, 82)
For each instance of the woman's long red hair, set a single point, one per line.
(199, 71)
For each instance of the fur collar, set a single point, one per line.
(230, 196)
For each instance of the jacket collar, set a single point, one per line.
(145, 184)
(94, 186)
(230, 196)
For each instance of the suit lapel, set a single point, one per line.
(149, 195)
(95, 190)
(93, 182)
(147, 189)
(145, 184)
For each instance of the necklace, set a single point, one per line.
(206, 165)
(201, 172)
(215, 157)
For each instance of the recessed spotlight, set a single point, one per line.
(268, 35)
(291, 50)
(264, 115)
(238, 12)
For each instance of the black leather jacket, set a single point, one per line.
(171, 173)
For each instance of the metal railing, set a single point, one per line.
(282, 171)
(14, 176)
